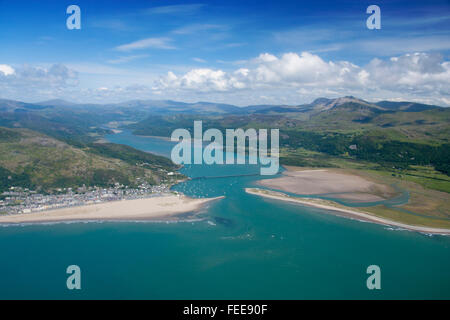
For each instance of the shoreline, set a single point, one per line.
(155, 137)
(347, 213)
(164, 208)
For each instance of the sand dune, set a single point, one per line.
(165, 207)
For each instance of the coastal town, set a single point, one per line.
(22, 200)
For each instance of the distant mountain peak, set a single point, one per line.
(323, 104)
(321, 101)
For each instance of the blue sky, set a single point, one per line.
(239, 52)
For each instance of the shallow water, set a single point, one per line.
(243, 247)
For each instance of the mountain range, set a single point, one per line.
(391, 134)
(170, 106)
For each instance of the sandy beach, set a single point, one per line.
(341, 211)
(156, 208)
(334, 183)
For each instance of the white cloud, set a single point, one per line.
(155, 43)
(6, 70)
(29, 81)
(267, 70)
(199, 60)
(55, 76)
(415, 76)
(202, 80)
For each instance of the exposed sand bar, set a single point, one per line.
(156, 208)
(333, 182)
(350, 213)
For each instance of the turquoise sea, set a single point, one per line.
(242, 247)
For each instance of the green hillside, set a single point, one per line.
(39, 162)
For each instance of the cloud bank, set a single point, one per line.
(412, 76)
(28, 82)
(290, 78)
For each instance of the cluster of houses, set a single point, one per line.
(22, 200)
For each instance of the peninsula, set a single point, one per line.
(340, 210)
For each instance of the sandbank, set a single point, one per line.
(154, 208)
